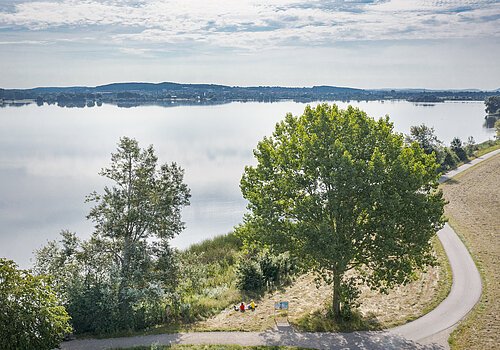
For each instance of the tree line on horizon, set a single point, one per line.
(166, 94)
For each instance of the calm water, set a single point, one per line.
(50, 157)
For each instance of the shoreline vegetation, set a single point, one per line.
(169, 94)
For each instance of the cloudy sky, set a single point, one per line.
(357, 43)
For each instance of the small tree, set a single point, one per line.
(250, 277)
(471, 146)
(123, 275)
(341, 191)
(140, 213)
(457, 147)
(426, 138)
(31, 315)
(450, 160)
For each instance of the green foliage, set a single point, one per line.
(497, 128)
(486, 147)
(31, 315)
(126, 273)
(450, 160)
(470, 146)
(143, 204)
(324, 321)
(86, 275)
(426, 138)
(458, 148)
(342, 191)
(207, 282)
(223, 247)
(250, 278)
(492, 105)
(260, 270)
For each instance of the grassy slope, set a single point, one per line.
(473, 210)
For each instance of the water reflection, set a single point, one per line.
(50, 157)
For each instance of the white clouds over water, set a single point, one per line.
(167, 30)
(255, 24)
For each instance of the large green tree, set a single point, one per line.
(342, 191)
(31, 315)
(138, 214)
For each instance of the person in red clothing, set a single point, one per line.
(242, 307)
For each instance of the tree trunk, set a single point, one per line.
(124, 302)
(336, 295)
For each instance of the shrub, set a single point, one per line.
(250, 277)
(457, 147)
(471, 146)
(31, 314)
(264, 271)
(450, 160)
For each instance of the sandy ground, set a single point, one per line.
(399, 306)
(474, 212)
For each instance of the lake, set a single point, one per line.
(50, 157)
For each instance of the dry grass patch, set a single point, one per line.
(309, 305)
(474, 212)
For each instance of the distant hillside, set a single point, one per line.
(170, 94)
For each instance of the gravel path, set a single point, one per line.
(428, 332)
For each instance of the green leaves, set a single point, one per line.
(119, 278)
(341, 190)
(31, 315)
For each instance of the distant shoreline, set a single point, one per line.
(172, 94)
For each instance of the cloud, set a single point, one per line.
(25, 42)
(254, 24)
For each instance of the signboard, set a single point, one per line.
(281, 305)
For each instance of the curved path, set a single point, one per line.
(428, 332)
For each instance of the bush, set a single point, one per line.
(264, 271)
(450, 160)
(250, 277)
(457, 147)
(31, 315)
(471, 146)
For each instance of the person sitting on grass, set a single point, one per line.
(242, 307)
(251, 306)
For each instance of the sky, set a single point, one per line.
(435, 44)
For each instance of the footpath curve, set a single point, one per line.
(431, 331)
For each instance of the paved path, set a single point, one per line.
(428, 332)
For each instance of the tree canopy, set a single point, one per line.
(492, 105)
(341, 191)
(426, 138)
(31, 315)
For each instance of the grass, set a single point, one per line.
(322, 321)
(445, 281)
(486, 147)
(217, 249)
(210, 347)
(473, 213)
